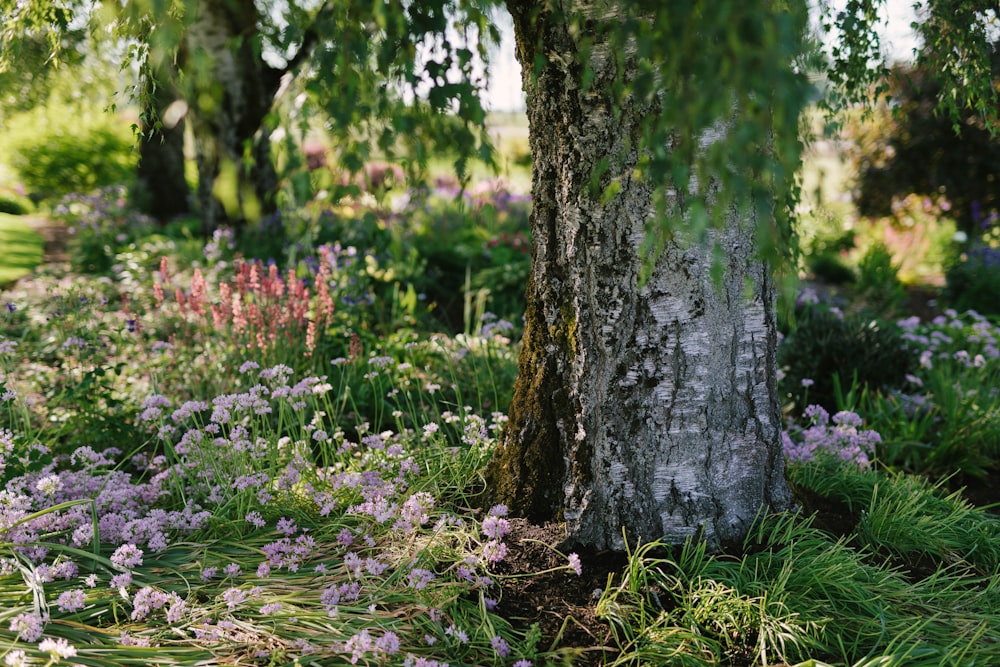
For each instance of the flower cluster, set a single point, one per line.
(843, 440)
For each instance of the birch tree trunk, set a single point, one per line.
(639, 412)
(234, 91)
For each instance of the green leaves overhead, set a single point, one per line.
(722, 86)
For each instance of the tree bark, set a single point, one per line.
(162, 189)
(233, 92)
(639, 412)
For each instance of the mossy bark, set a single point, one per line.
(234, 91)
(639, 412)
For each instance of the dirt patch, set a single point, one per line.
(560, 602)
(56, 237)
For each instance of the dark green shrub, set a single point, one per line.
(973, 281)
(878, 279)
(59, 149)
(826, 350)
(15, 204)
(830, 268)
(825, 257)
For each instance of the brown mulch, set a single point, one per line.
(563, 604)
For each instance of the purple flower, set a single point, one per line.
(494, 551)
(574, 562)
(495, 527)
(27, 626)
(70, 601)
(127, 557)
(286, 526)
(500, 646)
(419, 578)
(233, 597)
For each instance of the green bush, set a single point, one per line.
(826, 351)
(59, 149)
(878, 279)
(973, 281)
(15, 204)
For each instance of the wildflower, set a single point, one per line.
(49, 485)
(419, 578)
(70, 601)
(286, 526)
(28, 626)
(500, 646)
(522, 663)
(495, 527)
(11, 307)
(494, 551)
(209, 573)
(127, 557)
(57, 648)
(15, 658)
(233, 570)
(121, 581)
(91, 581)
(574, 562)
(256, 519)
(270, 608)
(458, 633)
(388, 643)
(233, 597)
(807, 382)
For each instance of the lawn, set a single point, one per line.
(266, 450)
(20, 248)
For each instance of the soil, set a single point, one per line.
(55, 236)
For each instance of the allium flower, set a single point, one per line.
(388, 643)
(495, 527)
(49, 485)
(419, 578)
(57, 648)
(16, 658)
(574, 562)
(28, 626)
(123, 580)
(522, 663)
(270, 608)
(127, 557)
(209, 573)
(494, 551)
(70, 601)
(286, 526)
(233, 597)
(500, 646)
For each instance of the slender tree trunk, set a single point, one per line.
(233, 92)
(639, 412)
(162, 190)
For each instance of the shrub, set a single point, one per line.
(59, 149)
(973, 281)
(878, 279)
(15, 204)
(826, 351)
(100, 224)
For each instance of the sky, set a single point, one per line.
(505, 93)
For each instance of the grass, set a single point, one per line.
(20, 248)
(190, 481)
